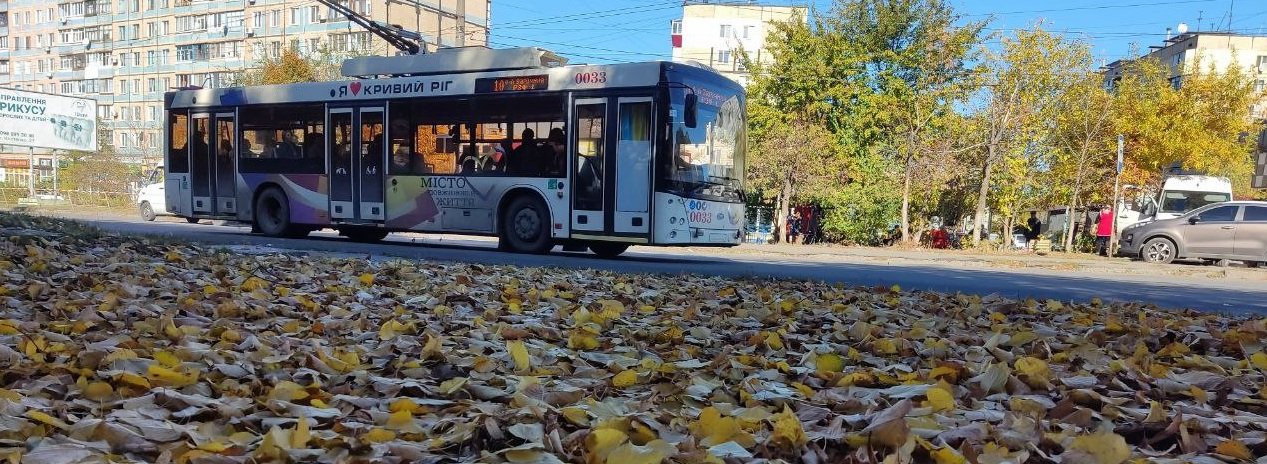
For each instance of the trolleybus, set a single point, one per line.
(512, 143)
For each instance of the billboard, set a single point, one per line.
(30, 119)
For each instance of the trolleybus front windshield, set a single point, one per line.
(707, 161)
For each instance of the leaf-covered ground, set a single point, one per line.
(129, 350)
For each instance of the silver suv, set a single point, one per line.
(1233, 230)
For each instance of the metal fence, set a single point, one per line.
(21, 195)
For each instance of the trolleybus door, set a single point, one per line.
(201, 169)
(632, 186)
(358, 151)
(371, 162)
(340, 140)
(225, 146)
(588, 144)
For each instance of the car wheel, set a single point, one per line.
(526, 225)
(147, 211)
(608, 249)
(272, 213)
(1158, 250)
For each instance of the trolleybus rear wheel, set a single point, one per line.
(608, 249)
(526, 225)
(272, 213)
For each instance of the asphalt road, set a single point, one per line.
(1221, 295)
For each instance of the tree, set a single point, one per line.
(879, 75)
(798, 165)
(916, 65)
(1082, 143)
(98, 177)
(1026, 80)
(1203, 125)
(293, 66)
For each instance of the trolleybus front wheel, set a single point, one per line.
(526, 225)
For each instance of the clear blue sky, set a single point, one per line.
(636, 30)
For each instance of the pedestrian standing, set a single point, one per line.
(1103, 230)
(794, 228)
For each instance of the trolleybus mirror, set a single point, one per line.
(692, 101)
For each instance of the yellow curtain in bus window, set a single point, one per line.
(30, 119)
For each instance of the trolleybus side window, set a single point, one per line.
(481, 137)
(282, 139)
(178, 144)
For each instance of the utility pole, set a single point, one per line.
(1117, 176)
(31, 160)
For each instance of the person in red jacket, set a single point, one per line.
(1103, 230)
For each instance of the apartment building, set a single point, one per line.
(1196, 52)
(713, 33)
(127, 53)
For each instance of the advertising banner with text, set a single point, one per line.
(30, 119)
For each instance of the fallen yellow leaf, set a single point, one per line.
(519, 354)
(625, 378)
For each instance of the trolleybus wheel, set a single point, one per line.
(192, 220)
(147, 211)
(608, 249)
(364, 234)
(272, 213)
(526, 225)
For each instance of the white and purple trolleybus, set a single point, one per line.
(513, 143)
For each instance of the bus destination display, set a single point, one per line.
(512, 84)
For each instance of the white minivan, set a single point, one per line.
(150, 200)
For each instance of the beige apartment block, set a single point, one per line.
(1197, 52)
(714, 33)
(127, 53)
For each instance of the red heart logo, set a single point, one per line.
(356, 87)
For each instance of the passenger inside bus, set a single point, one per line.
(523, 157)
(554, 157)
(288, 148)
(402, 161)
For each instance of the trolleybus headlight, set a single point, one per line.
(673, 234)
(673, 220)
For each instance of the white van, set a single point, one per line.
(150, 200)
(1179, 194)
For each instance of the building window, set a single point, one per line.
(676, 26)
(723, 56)
(725, 30)
(748, 31)
(1176, 82)
(1260, 85)
(1262, 63)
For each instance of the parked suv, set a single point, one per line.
(1234, 230)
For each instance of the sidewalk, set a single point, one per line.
(1076, 262)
